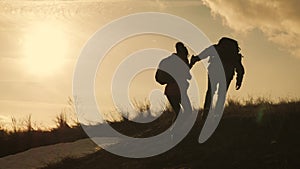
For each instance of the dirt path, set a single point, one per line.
(41, 156)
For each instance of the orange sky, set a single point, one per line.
(40, 42)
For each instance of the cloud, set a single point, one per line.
(278, 20)
(163, 4)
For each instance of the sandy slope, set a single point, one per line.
(40, 156)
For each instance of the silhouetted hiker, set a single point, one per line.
(229, 53)
(178, 74)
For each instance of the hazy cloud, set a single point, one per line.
(278, 20)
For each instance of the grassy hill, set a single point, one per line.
(257, 134)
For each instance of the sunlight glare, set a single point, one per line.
(45, 49)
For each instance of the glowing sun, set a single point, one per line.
(45, 47)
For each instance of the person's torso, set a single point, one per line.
(179, 71)
(228, 60)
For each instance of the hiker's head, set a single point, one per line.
(229, 45)
(181, 50)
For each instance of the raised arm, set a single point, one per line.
(204, 54)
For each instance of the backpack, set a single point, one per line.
(163, 77)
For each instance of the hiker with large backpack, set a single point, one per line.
(229, 53)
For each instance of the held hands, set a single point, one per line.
(194, 59)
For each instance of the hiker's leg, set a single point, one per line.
(207, 101)
(175, 104)
(228, 83)
(221, 91)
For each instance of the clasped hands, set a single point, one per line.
(194, 59)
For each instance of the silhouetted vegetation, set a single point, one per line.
(255, 134)
(23, 138)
